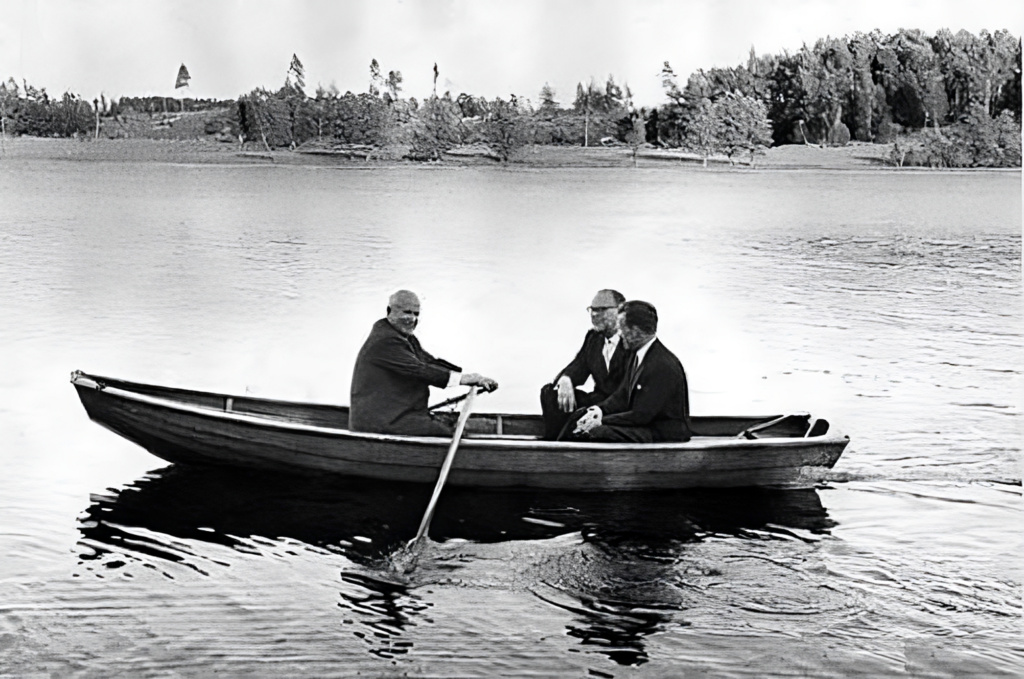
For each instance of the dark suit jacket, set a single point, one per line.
(655, 396)
(392, 379)
(590, 361)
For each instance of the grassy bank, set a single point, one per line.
(856, 156)
(206, 137)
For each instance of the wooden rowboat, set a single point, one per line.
(497, 450)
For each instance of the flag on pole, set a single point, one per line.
(183, 77)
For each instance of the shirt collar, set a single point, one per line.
(613, 340)
(642, 351)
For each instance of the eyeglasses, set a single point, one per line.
(595, 309)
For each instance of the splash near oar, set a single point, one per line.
(404, 559)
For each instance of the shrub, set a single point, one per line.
(839, 135)
(556, 130)
(978, 141)
(1009, 138)
(887, 131)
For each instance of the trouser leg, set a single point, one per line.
(566, 432)
(605, 433)
(554, 417)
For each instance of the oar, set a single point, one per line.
(452, 401)
(445, 468)
(748, 433)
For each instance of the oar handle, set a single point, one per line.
(455, 399)
(446, 467)
(452, 401)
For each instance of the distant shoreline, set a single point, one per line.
(855, 156)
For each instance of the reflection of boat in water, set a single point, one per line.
(367, 520)
(498, 450)
(613, 565)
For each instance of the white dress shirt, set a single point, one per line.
(610, 344)
(642, 351)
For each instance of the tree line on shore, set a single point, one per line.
(945, 100)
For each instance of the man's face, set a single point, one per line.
(404, 315)
(631, 336)
(603, 313)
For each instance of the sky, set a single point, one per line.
(483, 47)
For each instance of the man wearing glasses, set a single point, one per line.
(652, 403)
(602, 357)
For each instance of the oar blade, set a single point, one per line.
(404, 560)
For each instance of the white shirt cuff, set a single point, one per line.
(453, 379)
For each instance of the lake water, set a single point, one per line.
(888, 302)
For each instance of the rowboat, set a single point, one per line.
(497, 450)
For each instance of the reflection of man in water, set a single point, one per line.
(601, 357)
(393, 375)
(652, 403)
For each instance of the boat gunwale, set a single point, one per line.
(84, 381)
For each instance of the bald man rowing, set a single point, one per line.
(393, 375)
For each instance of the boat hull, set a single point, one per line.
(315, 440)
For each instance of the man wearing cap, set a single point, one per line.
(652, 403)
(393, 375)
(602, 357)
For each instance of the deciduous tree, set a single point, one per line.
(826, 78)
(704, 129)
(743, 125)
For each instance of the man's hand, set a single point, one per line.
(566, 394)
(590, 419)
(477, 380)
